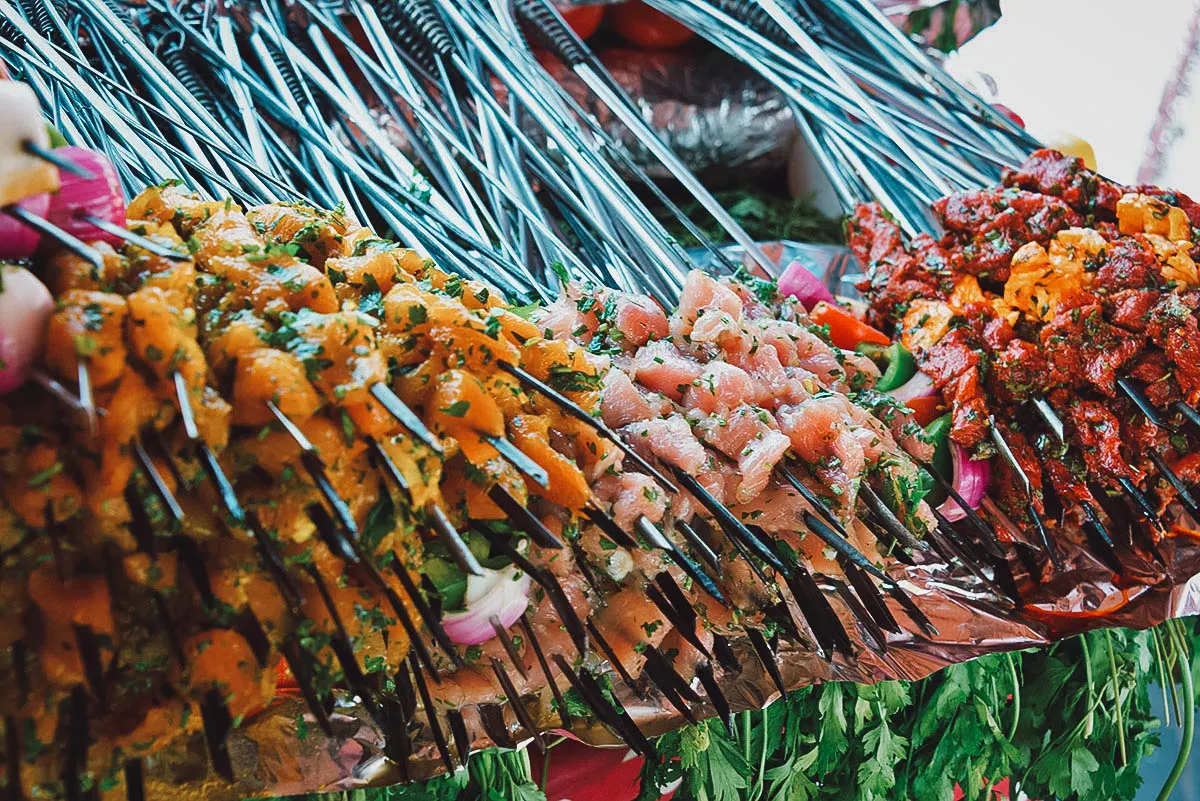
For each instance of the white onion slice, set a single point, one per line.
(25, 307)
(503, 593)
(919, 386)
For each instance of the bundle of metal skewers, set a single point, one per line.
(434, 124)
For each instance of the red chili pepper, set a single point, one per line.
(284, 680)
(846, 330)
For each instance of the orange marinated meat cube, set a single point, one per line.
(340, 354)
(507, 392)
(565, 366)
(406, 310)
(460, 406)
(132, 407)
(370, 417)
(367, 618)
(174, 204)
(265, 375)
(466, 487)
(163, 338)
(471, 346)
(568, 487)
(34, 477)
(66, 271)
(175, 278)
(228, 336)
(274, 283)
(319, 234)
(212, 414)
(81, 600)
(222, 660)
(87, 327)
(223, 234)
(159, 572)
(237, 580)
(475, 295)
(377, 270)
(421, 467)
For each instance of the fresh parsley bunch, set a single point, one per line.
(1069, 722)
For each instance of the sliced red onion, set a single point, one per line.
(77, 197)
(503, 593)
(25, 306)
(18, 240)
(971, 479)
(799, 282)
(919, 386)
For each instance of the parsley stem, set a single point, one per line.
(1189, 713)
(1161, 660)
(1087, 670)
(1016, 697)
(1172, 659)
(1116, 688)
(762, 758)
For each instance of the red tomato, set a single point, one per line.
(584, 20)
(926, 410)
(639, 24)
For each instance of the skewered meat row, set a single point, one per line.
(1062, 299)
(285, 420)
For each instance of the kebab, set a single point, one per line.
(1078, 292)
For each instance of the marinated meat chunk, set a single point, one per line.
(1080, 346)
(987, 227)
(1098, 433)
(88, 328)
(1127, 263)
(1049, 172)
(1130, 308)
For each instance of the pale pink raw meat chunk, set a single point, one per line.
(638, 318)
(622, 403)
(564, 320)
(758, 461)
(703, 294)
(720, 386)
(820, 435)
(720, 328)
(660, 367)
(669, 439)
(630, 496)
(748, 436)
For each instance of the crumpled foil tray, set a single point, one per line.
(280, 751)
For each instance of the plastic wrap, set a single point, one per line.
(281, 751)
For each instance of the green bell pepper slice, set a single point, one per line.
(938, 432)
(899, 365)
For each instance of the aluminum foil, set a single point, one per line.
(281, 752)
(718, 115)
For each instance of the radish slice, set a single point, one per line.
(919, 386)
(25, 308)
(17, 240)
(799, 282)
(971, 479)
(503, 593)
(99, 196)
